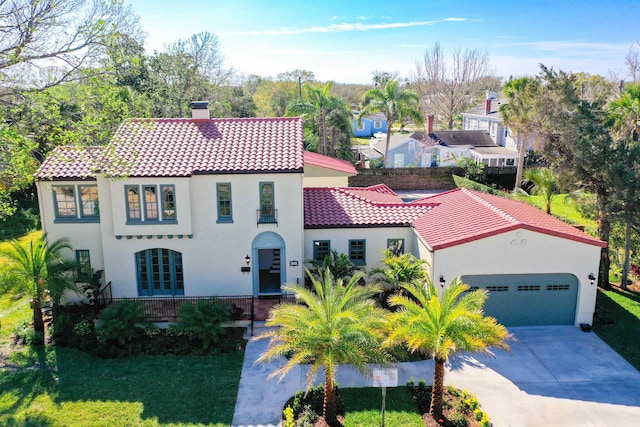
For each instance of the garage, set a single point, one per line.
(529, 299)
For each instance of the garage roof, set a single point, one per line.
(464, 215)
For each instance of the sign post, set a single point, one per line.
(385, 378)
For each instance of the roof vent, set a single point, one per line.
(200, 110)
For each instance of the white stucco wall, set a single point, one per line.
(213, 256)
(522, 252)
(315, 176)
(376, 241)
(81, 235)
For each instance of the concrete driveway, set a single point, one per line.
(554, 376)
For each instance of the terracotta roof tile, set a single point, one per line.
(464, 215)
(183, 147)
(345, 207)
(315, 159)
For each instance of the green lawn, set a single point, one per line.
(71, 388)
(363, 407)
(617, 322)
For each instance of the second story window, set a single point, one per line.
(168, 202)
(224, 202)
(89, 200)
(76, 203)
(267, 211)
(150, 203)
(133, 203)
(157, 201)
(65, 201)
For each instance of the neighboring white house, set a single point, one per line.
(199, 207)
(487, 118)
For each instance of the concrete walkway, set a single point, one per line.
(554, 376)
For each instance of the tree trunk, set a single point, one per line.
(386, 145)
(329, 403)
(521, 151)
(38, 322)
(627, 251)
(437, 391)
(604, 232)
(323, 132)
(334, 137)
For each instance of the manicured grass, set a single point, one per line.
(363, 405)
(71, 388)
(13, 311)
(617, 322)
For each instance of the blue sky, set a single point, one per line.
(346, 40)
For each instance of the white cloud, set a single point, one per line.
(345, 27)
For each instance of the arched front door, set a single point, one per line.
(268, 259)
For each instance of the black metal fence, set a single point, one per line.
(166, 308)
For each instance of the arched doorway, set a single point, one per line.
(268, 255)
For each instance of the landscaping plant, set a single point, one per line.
(120, 328)
(441, 324)
(204, 320)
(39, 267)
(336, 323)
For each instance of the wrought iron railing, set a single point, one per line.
(164, 308)
(267, 216)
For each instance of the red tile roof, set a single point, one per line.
(183, 147)
(464, 215)
(71, 163)
(358, 207)
(315, 159)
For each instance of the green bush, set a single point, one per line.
(120, 329)
(204, 320)
(307, 406)
(23, 334)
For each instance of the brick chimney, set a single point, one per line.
(429, 123)
(487, 106)
(200, 110)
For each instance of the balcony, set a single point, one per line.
(267, 216)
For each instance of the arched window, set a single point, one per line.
(159, 272)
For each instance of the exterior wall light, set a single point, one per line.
(442, 281)
(592, 279)
(247, 259)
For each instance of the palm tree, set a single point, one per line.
(519, 112)
(439, 326)
(403, 268)
(544, 184)
(394, 103)
(336, 323)
(324, 110)
(39, 266)
(338, 264)
(625, 112)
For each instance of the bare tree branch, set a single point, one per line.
(448, 89)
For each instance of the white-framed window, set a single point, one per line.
(377, 124)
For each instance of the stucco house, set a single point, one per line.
(198, 207)
(369, 125)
